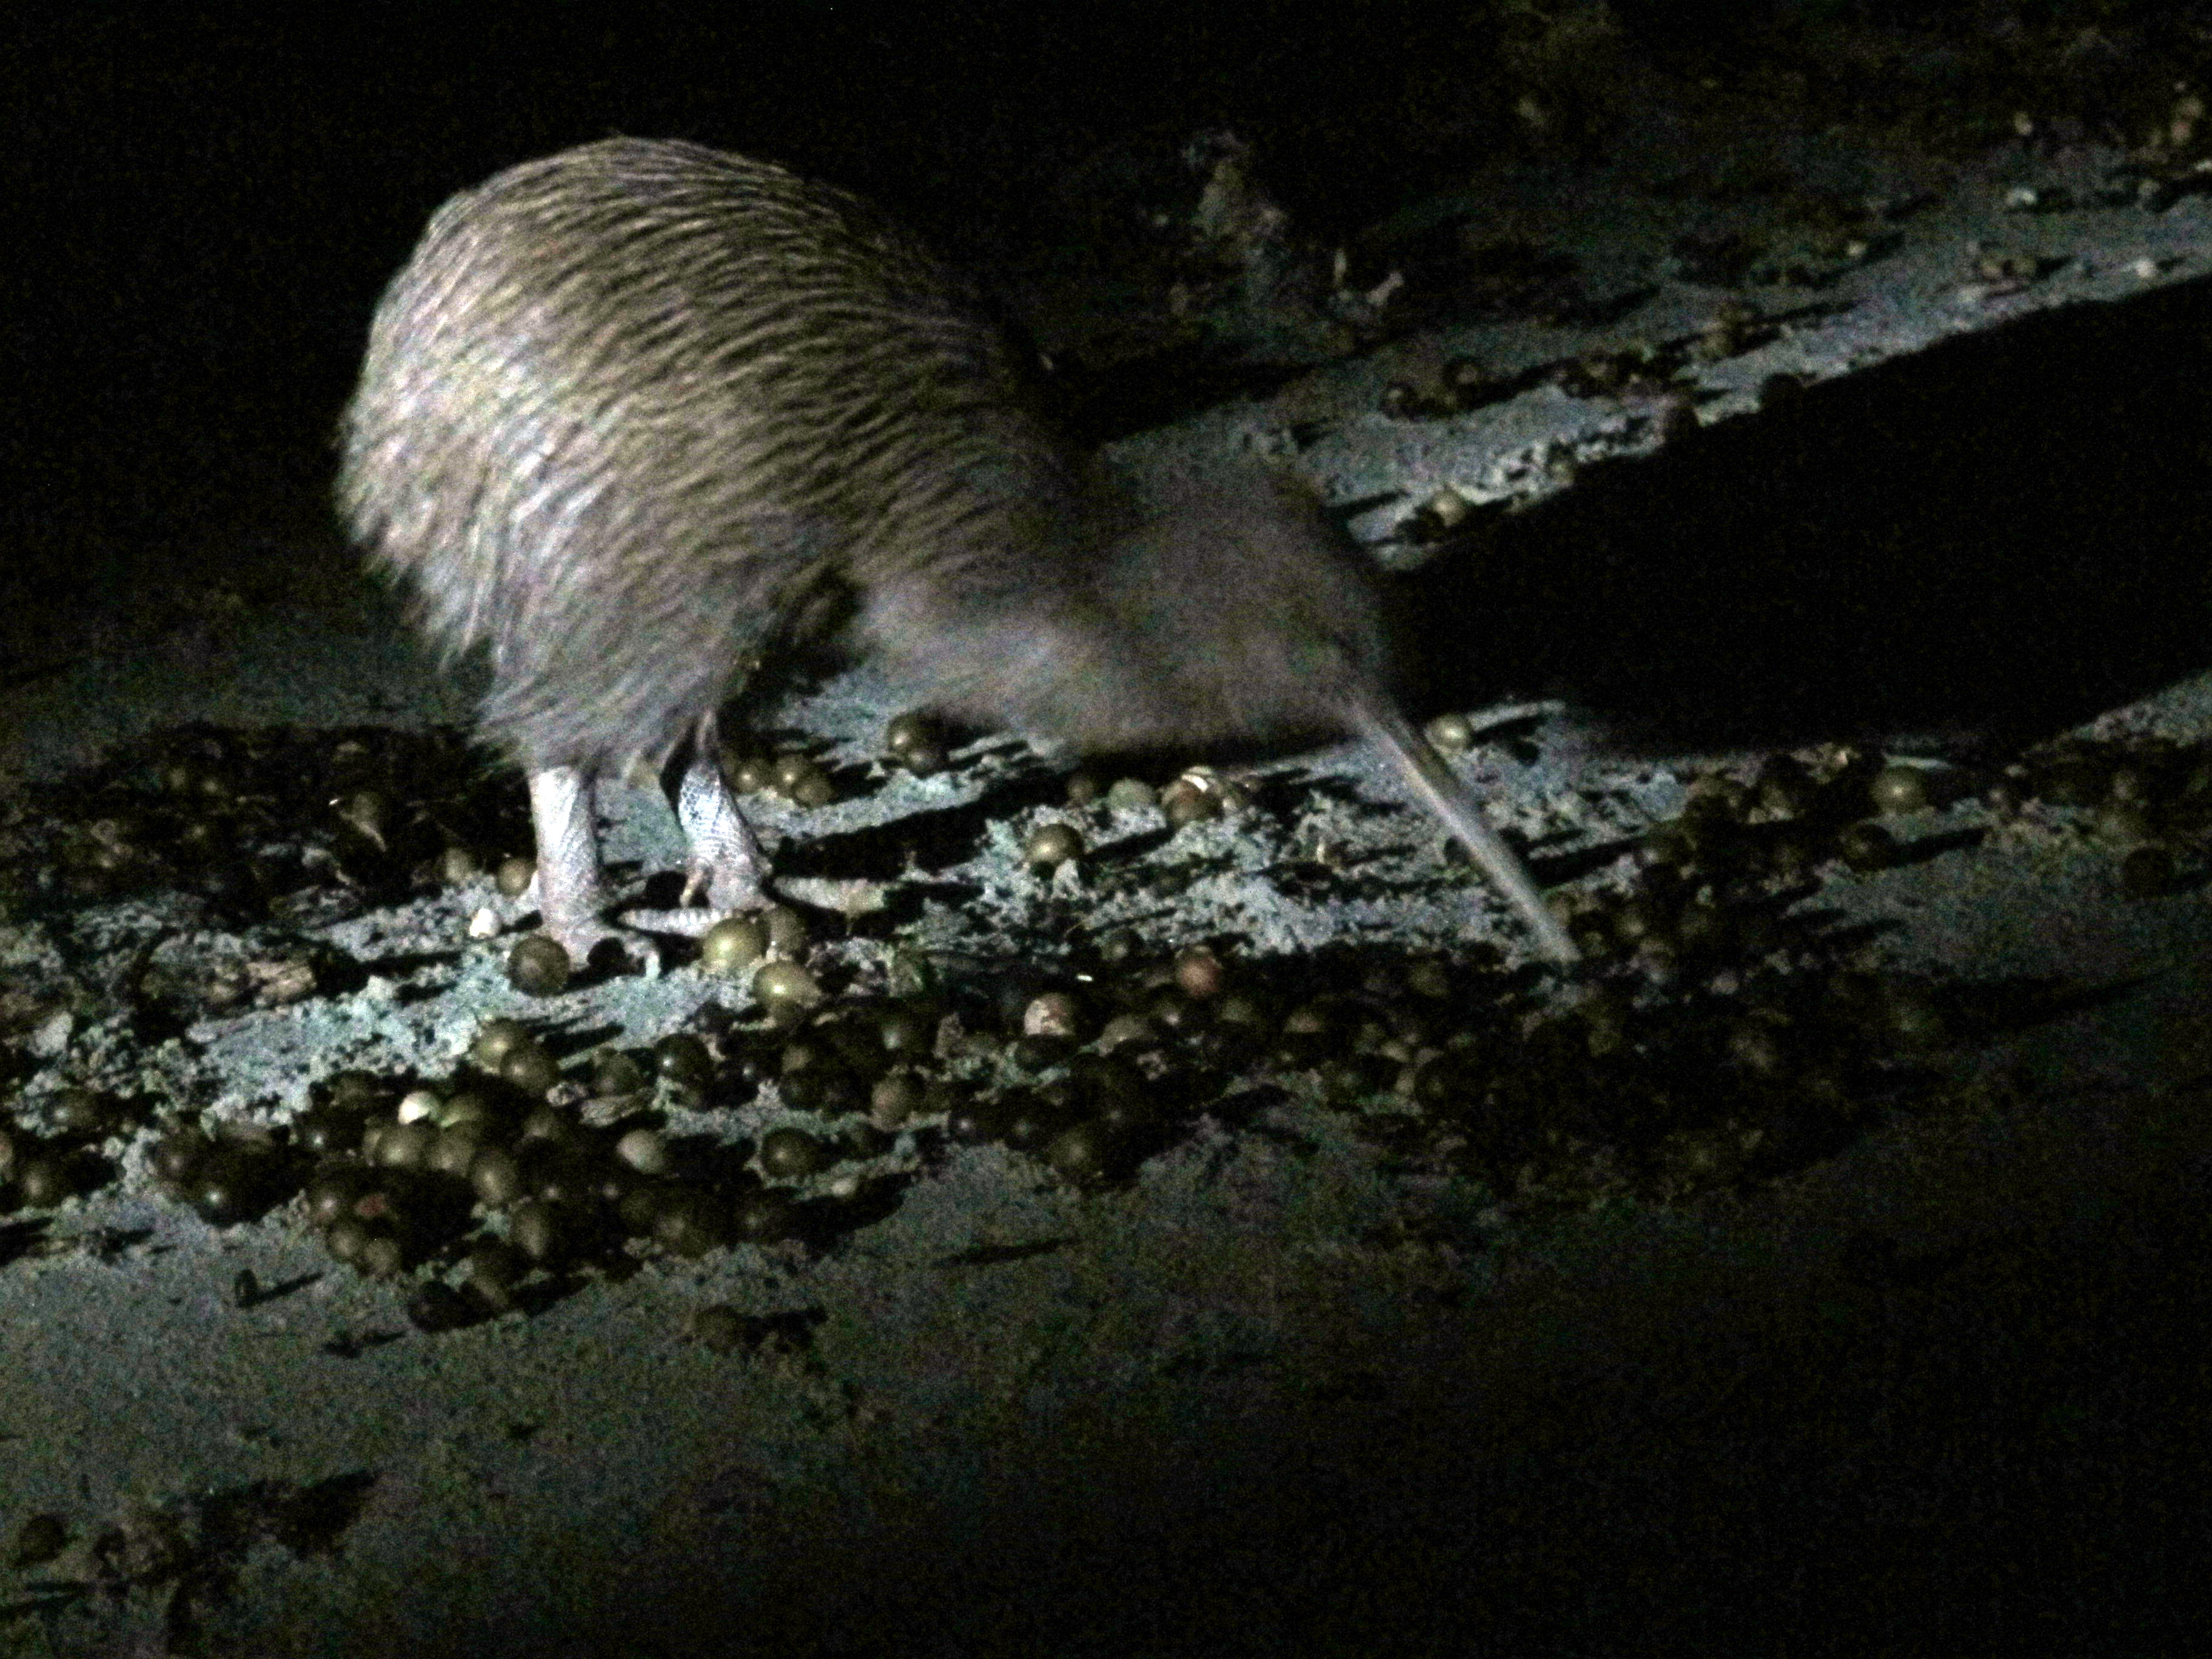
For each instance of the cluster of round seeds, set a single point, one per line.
(1199, 794)
(499, 1173)
(250, 819)
(1195, 795)
(239, 1171)
(917, 743)
(739, 947)
(1645, 370)
(38, 1171)
(2148, 800)
(733, 946)
(32, 1176)
(1642, 371)
(1718, 1038)
(798, 778)
(1462, 384)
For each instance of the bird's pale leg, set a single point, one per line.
(726, 865)
(569, 897)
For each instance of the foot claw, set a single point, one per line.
(583, 940)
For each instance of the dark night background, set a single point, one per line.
(204, 202)
(204, 206)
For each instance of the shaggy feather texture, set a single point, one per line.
(629, 408)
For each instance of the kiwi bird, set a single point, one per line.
(630, 410)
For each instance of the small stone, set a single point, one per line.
(614, 1073)
(813, 788)
(496, 1176)
(78, 1111)
(911, 731)
(495, 1268)
(685, 1223)
(762, 1215)
(452, 1153)
(1199, 972)
(406, 1146)
(466, 1110)
(380, 1257)
(531, 1229)
(1052, 1013)
(41, 1182)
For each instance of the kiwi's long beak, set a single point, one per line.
(1377, 719)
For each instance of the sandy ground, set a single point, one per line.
(1278, 1391)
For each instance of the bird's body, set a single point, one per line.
(628, 409)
